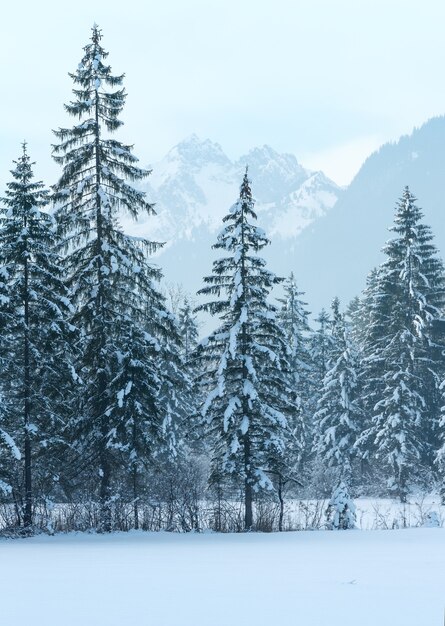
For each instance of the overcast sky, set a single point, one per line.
(326, 80)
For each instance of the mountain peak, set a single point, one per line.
(194, 186)
(263, 155)
(198, 152)
(263, 152)
(273, 174)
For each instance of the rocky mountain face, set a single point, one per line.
(195, 185)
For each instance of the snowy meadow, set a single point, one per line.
(169, 579)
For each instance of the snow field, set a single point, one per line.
(349, 578)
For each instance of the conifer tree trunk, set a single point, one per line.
(105, 469)
(135, 499)
(105, 480)
(402, 487)
(281, 500)
(135, 483)
(248, 493)
(27, 518)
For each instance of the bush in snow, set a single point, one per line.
(432, 520)
(340, 514)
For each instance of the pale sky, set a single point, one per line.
(328, 80)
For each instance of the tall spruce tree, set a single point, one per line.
(370, 324)
(245, 367)
(337, 325)
(440, 455)
(320, 346)
(145, 423)
(36, 368)
(9, 452)
(122, 315)
(188, 328)
(410, 296)
(338, 416)
(293, 317)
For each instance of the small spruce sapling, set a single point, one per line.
(341, 512)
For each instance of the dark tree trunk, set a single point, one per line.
(105, 480)
(281, 499)
(135, 499)
(403, 491)
(104, 455)
(219, 498)
(27, 516)
(248, 482)
(248, 491)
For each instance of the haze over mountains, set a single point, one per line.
(195, 185)
(334, 256)
(328, 236)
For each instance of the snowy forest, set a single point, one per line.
(117, 414)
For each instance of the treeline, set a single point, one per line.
(115, 415)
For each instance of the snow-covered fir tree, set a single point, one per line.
(337, 420)
(145, 423)
(189, 331)
(36, 374)
(245, 366)
(410, 297)
(337, 324)
(293, 317)
(9, 452)
(354, 320)
(369, 322)
(440, 455)
(188, 328)
(320, 347)
(122, 315)
(341, 511)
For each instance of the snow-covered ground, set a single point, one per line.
(349, 578)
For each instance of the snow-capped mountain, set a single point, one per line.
(194, 186)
